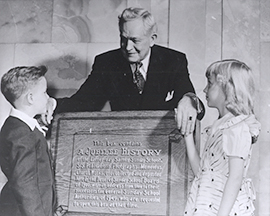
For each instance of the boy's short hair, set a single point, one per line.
(19, 79)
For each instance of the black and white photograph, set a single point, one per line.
(134, 107)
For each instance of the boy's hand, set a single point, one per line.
(48, 116)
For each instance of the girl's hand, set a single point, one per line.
(192, 153)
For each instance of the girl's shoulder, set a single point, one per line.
(237, 123)
(237, 133)
(231, 122)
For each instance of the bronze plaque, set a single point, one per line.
(120, 163)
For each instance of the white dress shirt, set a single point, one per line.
(31, 122)
(144, 67)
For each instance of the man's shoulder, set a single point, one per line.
(109, 59)
(165, 54)
(115, 53)
(166, 50)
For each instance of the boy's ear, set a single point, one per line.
(29, 97)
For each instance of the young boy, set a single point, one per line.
(24, 154)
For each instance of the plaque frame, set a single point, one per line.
(65, 125)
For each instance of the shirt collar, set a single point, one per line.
(144, 67)
(145, 61)
(31, 122)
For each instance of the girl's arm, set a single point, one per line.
(232, 187)
(192, 153)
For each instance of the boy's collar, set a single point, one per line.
(31, 122)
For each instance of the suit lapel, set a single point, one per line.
(121, 80)
(125, 74)
(154, 74)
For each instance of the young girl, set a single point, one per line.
(220, 186)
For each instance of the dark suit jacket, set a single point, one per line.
(25, 160)
(111, 80)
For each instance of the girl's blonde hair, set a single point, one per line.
(237, 83)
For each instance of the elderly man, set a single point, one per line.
(138, 76)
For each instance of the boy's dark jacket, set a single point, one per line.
(25, 160)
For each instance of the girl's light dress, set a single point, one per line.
(228, 136)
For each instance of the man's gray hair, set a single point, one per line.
(131, 13)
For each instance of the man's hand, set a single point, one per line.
(185, 115)
(48, 116)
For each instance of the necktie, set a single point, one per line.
(138, 77)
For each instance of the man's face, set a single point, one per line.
(135, 44)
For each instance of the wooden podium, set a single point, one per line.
(120, 163)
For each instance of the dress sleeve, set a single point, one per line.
(237, 140)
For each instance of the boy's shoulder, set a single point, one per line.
(16, 122)
(14, 128)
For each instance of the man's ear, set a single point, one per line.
(153, 39)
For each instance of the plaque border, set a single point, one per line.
(126, 115)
